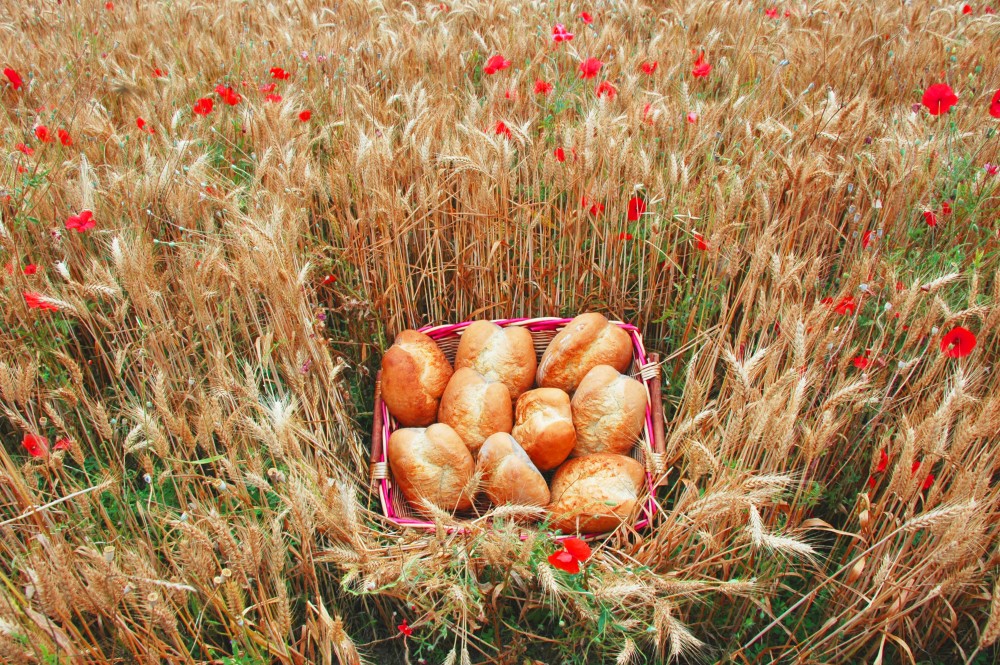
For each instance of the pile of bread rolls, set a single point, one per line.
(554, 432)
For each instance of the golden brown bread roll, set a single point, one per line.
(609, 410)
(543, 425)
(499, 354)
(414, 375)
(508, 476)
(475, 408)
(595, 493)
(586, 341)
(431, 463)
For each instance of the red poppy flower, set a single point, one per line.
(542, 87)
(110, 6)
(43, 134)
(64, 137)
(938, 98)
(701, 68)
(636, 208)
(590, 67)
(958, 342)
(279, 74)
(586, 18)
(577, 547)
(966, 9)
(883, 461)
(988, 10)
(595, 207)
(649, 67)
(692, 117)
(624, 236)
(995, 105)
(561, 34)
(502, 129)
(510, 94)
(140, 123)
(946, 208)
(15, 79)
(268, 87)
(62, 444)
(203, 106)
(37, 446)
(82, 222)
(861, 362)
(495, 64)
(29, 269)
(228, 95)
(605, 88)
(305, 115)
(771, 12)
(871, 482)
(565, 561)
(930, 218)
(159, 73)
(846, 305)
(560, 155)
(273, 98)
(699, 241)
(328, 280)
(20, 147)
(405, 629)
(36, 301)
(928, 481)
(991, 169)
(866, 238)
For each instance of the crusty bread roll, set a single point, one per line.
(543, 425)
(414, 375)
(431, 463)
(595, 493)
(508, 476)
(586, 341)
(475, 408)
(499, 354)
(608, 412)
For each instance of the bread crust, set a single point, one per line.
(609, 410)
(475, 407)
(499, 354)
(415, 373)
(431, 463)
(543, 426)
(508, 475)
(595, 493)
(586, 341)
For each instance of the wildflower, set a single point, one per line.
(305, 115)
(203, 106)
(930, 218)
(268, 87)
(560, 34)
(966, 9)
(542, 87)
(405, 629)
(590, 67)
(560, 155)
(228, 95)
(502, 129)
(82, 222)
(866, 238)
(692, 117)
(20, 147)
(701, 68)
(29, 269)
(846, 305)
(771, 12)
(328, 280)
(510, 94)
(606, 88)
(110, 6)
(37, 446)
(159, 73)
(649, 67)
(699, 241)
(586, 18)
(574, 552)
(958, 342)
(495, 64)
(636, 208)
(938, 98)
(279, 74)
(62, 444)
(991, 169)
(883, 462)
(595, 207)
(15, 79)
(42, 134)
(861, 362)
(946, 208)
(995, 105)
(273, 98)
(144, 126)
(37, 301)
(625, 236)
(64, 137)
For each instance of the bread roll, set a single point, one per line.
(499, 354)
(431, 463)
(414, 375)
(508, 476)
(609, 410)
(586, 341)
(475, 407)
(543, 425)
(594, 494)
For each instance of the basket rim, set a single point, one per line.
(383, 423)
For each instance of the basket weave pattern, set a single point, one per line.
(648, 450)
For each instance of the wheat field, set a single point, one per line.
(215, 216)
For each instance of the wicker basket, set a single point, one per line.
(649, 449)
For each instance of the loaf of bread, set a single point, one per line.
(609, 410)
(499, 354)
(543, 425)
(415, 373)
(432, 464)
(475, 407)
(508, 475)
(594, 494)
(586, 341)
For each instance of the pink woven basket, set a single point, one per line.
(649, 449)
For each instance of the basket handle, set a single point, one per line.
(659, 442)
(377, 465)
